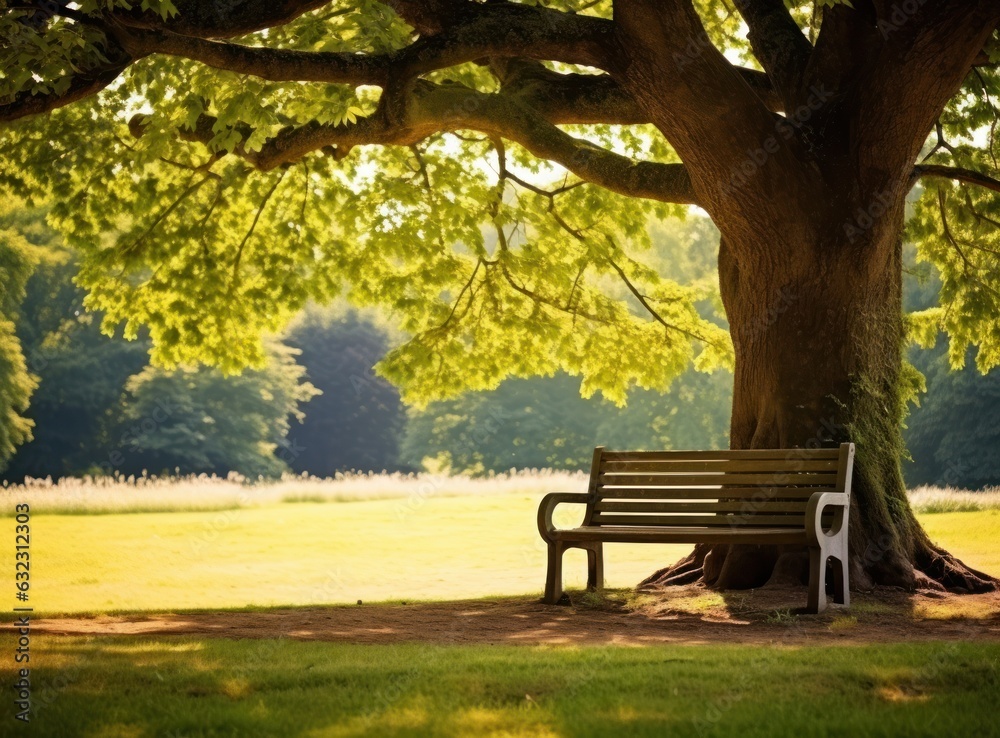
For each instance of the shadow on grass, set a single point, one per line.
(198, 686)
(679, 615)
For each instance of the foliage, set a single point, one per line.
(544, 423)
(955, 229)
(86, 421)
(81, 373)
(497, 263)
(951, 434)
(211, 254)
(17, 258)
(357, 420)
(954, 436)
(201, 421)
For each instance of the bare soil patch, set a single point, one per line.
(681, 615)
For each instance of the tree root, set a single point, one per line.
(686, 571)
(751, 567)
(942, 568)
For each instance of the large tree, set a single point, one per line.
(18, 256)
(356, 423)
(221, 162)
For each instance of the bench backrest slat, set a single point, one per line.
(782, 454)
(723, 465)
(712, 493)
(704, 506)
(766, 479)
(700, 521)
(759, 488)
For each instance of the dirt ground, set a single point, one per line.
(682, 615)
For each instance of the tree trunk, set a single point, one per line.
(818, 341)
(810, 205)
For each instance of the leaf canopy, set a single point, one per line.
(211, 203)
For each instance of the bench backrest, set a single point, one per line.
(761, 488)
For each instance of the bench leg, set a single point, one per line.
(553, 575)
(817, 581)
(595, 566)
(841, 589)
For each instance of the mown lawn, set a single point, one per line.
(312, 553)
(439, 548)
(187, 687)
(304, 553)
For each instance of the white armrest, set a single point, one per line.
(814, 515)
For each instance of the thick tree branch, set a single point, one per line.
(494, 30)
(504, 33)
(918, 67)
(710, 115)
(429, 16)
(958, 174)
(435, 108)
(220, 18)
(81, 86)
(847, 38)
(589, 98)
(778, 44)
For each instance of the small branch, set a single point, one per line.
(942, 143)
(550, 194)
(253, 227)
(958, 174)
(458, 301)
(967, 265)
(649, 308)
(165, 213)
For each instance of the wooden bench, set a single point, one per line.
(778, 496)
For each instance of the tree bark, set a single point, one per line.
(819, 342)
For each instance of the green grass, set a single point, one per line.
(304, 553)
(972, 536)
(190, 687)
(443, 548)
(312, 553)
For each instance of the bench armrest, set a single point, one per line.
(548, 505)
(814, 515)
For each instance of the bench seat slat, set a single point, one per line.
(681, 535)
(746, 506)
(784, 454)
(723, 465)
(710, 493)
(735, 520)
(695, 480)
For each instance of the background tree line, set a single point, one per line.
(93, 404)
